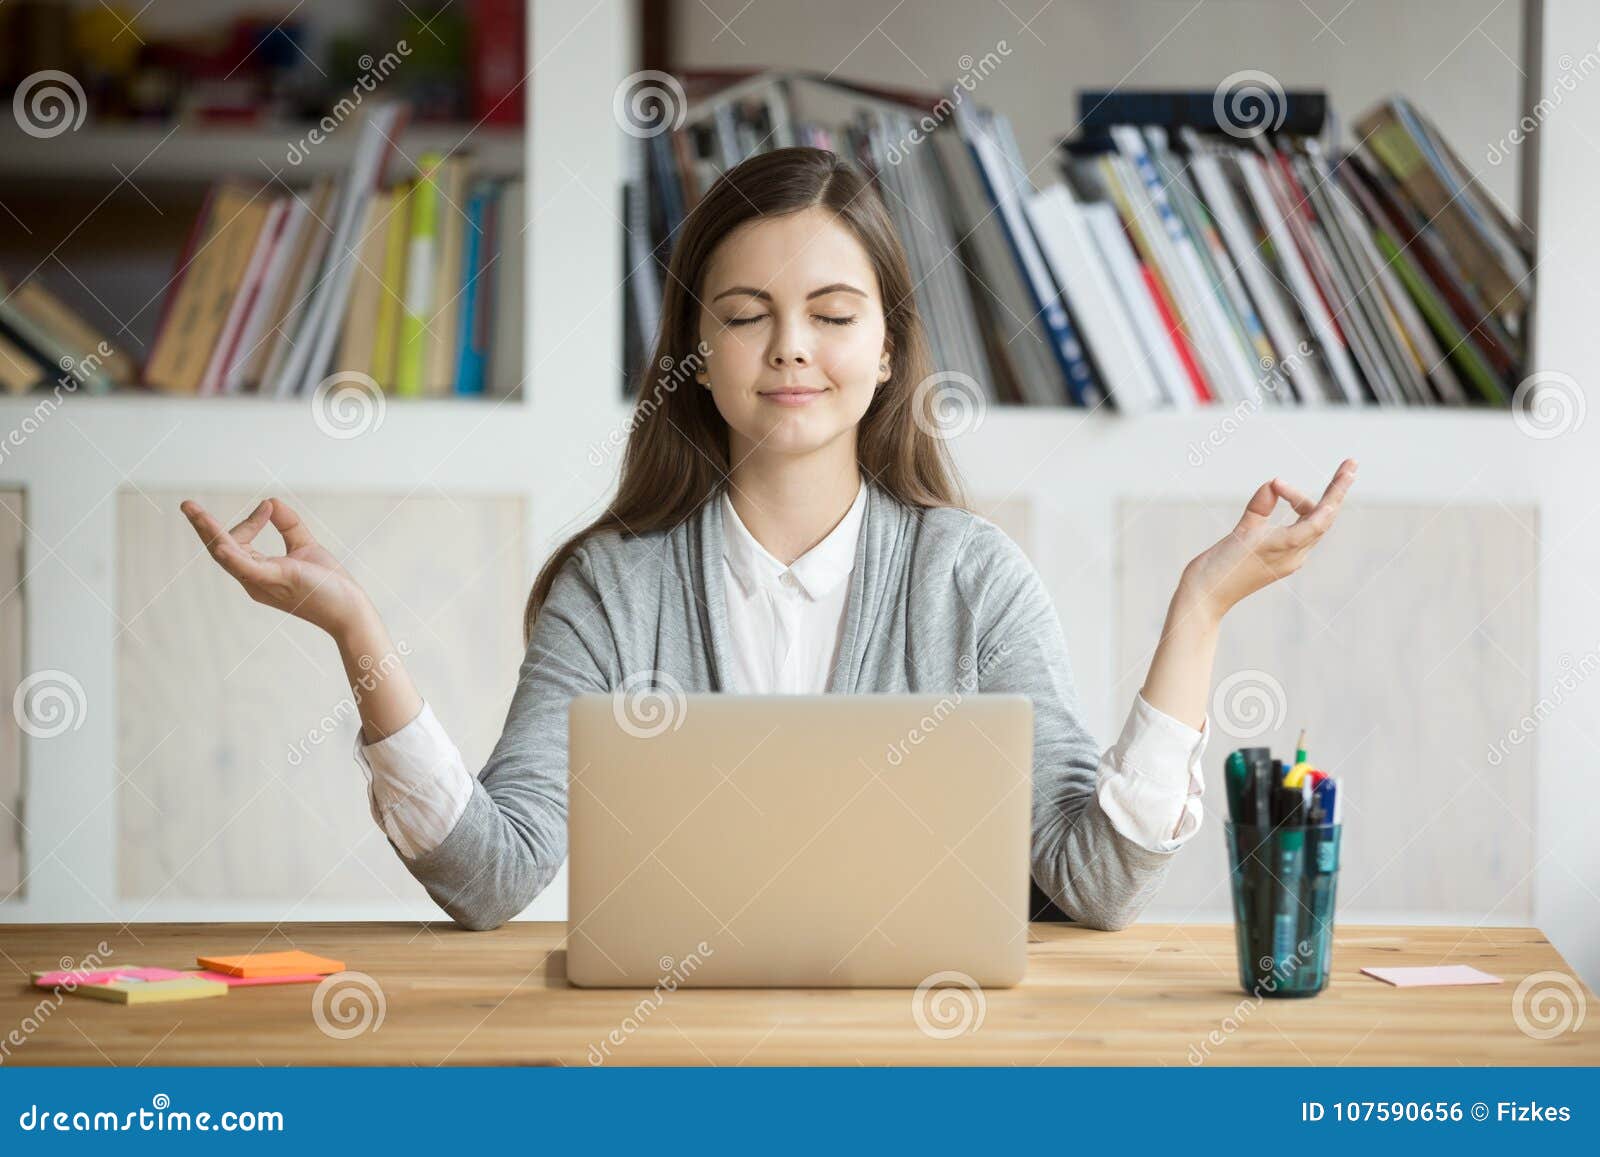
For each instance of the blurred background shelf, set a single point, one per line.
(202, 153)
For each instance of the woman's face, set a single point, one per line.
(794, 324)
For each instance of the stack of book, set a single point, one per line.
(45, 343)
(1173, 264)
(415, 284)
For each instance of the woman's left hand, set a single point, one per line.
(1256, 553)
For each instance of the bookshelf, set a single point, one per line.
(155, 153)
(574, 157)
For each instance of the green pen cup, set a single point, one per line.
(1283, 880)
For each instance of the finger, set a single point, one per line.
(249, 527)
(223, 546)
(295, 532)
(1300, 503)
(1261, 503)
(1319, 520)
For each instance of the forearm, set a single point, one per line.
(1180, 671)
(379, 683)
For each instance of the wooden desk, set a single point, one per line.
(1151, 994)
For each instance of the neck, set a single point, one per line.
(790, 503)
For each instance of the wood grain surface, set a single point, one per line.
(1153, 994)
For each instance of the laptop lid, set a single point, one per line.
(798, 840)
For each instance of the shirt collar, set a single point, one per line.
(819, 571)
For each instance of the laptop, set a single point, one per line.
(798, 840)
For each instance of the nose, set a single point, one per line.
(788, 348)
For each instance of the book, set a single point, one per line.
(227, 352)
(451, 207)
(1069, 251)
(312, 346)
(206, 286)
(359, 336)
(411, 350)
(386, 328)
(45, 332)
(472, 333)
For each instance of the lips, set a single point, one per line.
(792, 396)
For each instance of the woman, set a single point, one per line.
(785, 523)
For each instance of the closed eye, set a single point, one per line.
(823, 317)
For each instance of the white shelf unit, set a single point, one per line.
(198, 153)
(1077, 466)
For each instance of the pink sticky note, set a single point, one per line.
(104, 976)
(1425, 976)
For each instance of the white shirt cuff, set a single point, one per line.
(1150, 782)
(417, 784)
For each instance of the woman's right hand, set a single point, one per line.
(306, 581)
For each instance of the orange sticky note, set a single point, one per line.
(271, 964)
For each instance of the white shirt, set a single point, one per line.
(785, 623)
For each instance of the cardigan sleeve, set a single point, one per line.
(511, 838)
(1100, 871)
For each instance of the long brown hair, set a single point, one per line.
(677, 450)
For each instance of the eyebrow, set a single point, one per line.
(836, 287)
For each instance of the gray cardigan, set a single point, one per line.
(935, 596)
